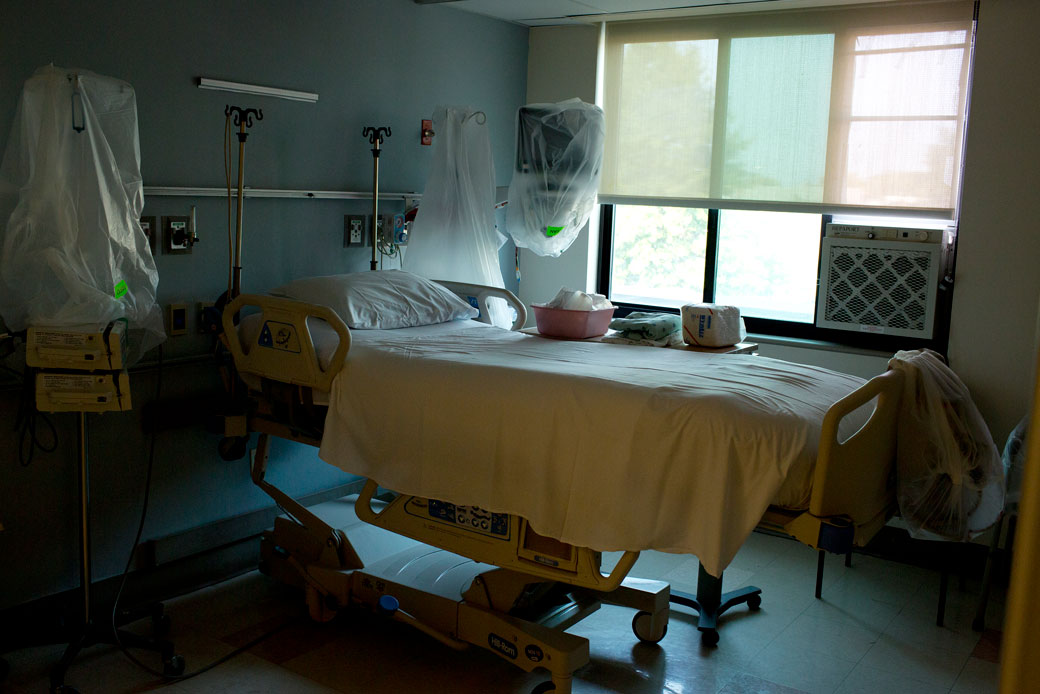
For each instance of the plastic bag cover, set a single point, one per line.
(1014, 459)
(454, 235)
(950, 479)
(559, 159)
(73, 252)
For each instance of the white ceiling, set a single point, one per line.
(547, 12)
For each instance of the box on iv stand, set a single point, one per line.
(82, 369)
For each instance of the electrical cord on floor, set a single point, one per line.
(27, 419)
(133, 551)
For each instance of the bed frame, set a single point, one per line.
(852, 497)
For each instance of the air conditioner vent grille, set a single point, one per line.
(879, 286)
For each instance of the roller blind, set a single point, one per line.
(853, 108)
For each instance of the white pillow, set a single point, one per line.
(380, 299)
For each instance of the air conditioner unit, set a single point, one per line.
(871, 282)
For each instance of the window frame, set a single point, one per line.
(770, 327)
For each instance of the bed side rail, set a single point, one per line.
(854, 477)
(480, 293)
(283, 349)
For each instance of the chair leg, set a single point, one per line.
(979, 623)
(819, 574)
(848, 559)
(944, 582)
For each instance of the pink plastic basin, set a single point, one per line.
(576, 325)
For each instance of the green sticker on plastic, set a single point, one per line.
(120, 289)
(552, 231)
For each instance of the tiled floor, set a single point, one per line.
(873, 632)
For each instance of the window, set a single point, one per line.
(767, 263)
(731, 139)
(658, 254)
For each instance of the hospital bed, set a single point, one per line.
(512, 497)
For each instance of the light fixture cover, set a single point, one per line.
(224, 85)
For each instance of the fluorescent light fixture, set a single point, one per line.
(224, 86)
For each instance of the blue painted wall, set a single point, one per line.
(373, 62)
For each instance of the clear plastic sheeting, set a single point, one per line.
(949, 476)
(1014, 459)
(453, 236)
(73, 252)
(559, 158)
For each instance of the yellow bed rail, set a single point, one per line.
(283, 348)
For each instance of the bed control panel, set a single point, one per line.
(471, 518)
(280, 336)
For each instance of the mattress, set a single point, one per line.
(601, 445)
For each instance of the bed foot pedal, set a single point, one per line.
(710, 603)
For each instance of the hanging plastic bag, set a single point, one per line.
(453, 236)
(1014, 459)
(73, 252)
(949, 476)
(559, 159)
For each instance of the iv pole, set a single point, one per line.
(243, 119)
(375, 138)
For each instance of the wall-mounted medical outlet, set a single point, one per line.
(401, 229)
(177, 319)
(176, 235)
(353, 230)
(381, 224)
(396, 229)
(149, 228)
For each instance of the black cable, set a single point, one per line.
(133, 551)
(26, 422)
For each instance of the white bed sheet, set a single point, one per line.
(607, 446)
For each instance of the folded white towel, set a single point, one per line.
(673, 340)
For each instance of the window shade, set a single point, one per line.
(853, 108)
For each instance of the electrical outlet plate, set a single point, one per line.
(178, 320)
(353, 230)
(176, 231)
(149, 228)
(201, 322)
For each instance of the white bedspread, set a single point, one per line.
(607, 446)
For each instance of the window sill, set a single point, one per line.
(816, 344)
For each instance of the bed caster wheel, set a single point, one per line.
(642, 627)
(174, 666)
(233, 447)
(543, 688)
(710, 638)
(754, 602)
